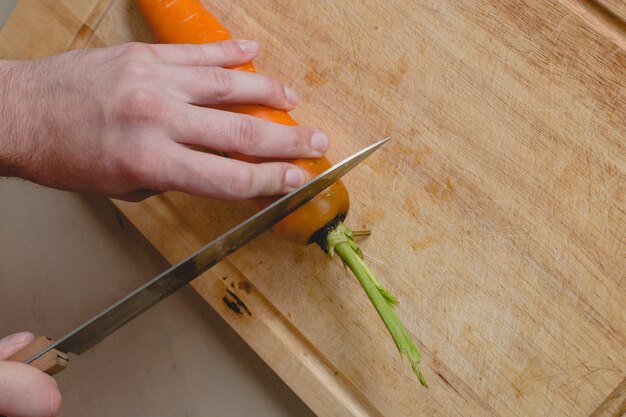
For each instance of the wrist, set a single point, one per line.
(14, 146)
(4, 64)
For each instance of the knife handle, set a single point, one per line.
(51, 362)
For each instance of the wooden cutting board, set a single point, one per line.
(497, 212)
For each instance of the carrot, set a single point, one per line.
(319, 221)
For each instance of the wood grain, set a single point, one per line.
(615, 404)
(498, 211)
(617, 7)
(45, 27)
(606, 19)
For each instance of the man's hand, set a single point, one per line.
(119, 121)
(25, 391)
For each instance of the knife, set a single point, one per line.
(51, 357)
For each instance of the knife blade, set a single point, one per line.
(141, 299)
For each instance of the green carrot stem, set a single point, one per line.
(340, 241)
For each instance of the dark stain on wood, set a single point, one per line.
(231, 304)
(444, 379)
(399, 69)
(433, 187)
(425, 243)
(244, 286)
(413, 155)
(314, 78)
(440, 190)
(240, 304)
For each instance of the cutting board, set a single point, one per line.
(497, 212)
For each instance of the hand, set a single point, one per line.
(25, 391)
(119, 121)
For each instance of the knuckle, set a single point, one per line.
(294, 140)
(230, 49)
(138, 49)
(276, 178)
(221, 82)
(239, 185)
(245, 134)
(298, 142)
(195, 53)
(133, 69)
(138, 104)
(137, 163)
(275, 89)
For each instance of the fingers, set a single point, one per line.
(221, 54)
(231, 132)
(157, 107)
(192, 74)
(24, 390)
(210, 175)
(215, 85)
(13, 343)
(195, 73)
(27, 392)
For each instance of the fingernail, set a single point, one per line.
(319, 142)
(292, 98)
(294, 178)
(14, 339)
(248, 47)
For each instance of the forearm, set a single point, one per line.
(14, 147)
(4, 64)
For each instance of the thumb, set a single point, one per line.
(25, 391)
(13, 343)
